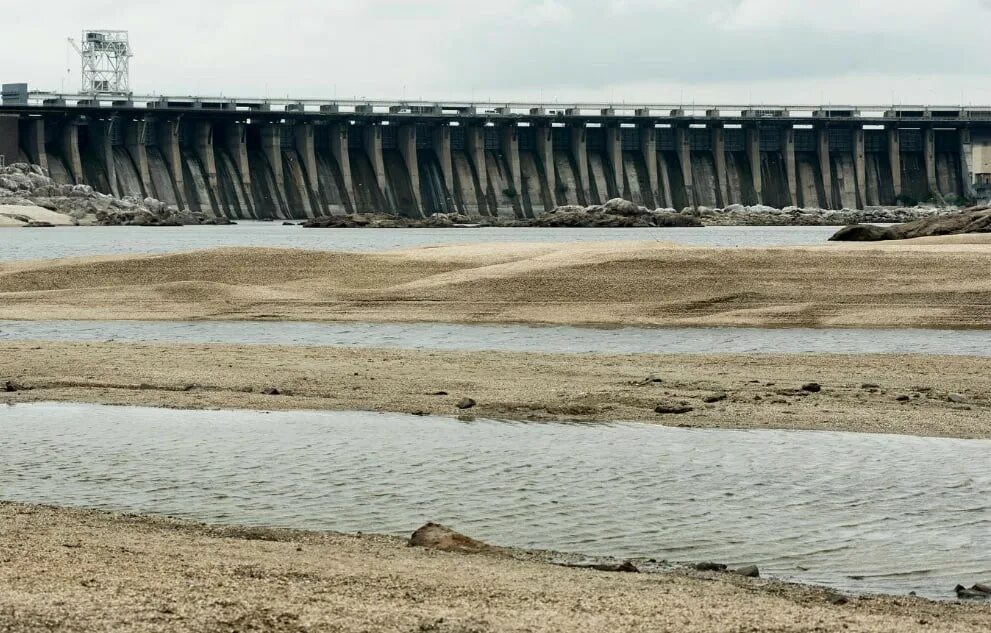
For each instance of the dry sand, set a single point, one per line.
(946, 284)
(68, 570)
(944, 396)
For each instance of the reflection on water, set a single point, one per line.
(106, 240)
(516, 338)
(902, 513)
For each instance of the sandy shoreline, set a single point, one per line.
(131, 573)
(925, 284)
(903, 394)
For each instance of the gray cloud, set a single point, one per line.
(634, 50)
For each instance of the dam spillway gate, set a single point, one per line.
(253, 160)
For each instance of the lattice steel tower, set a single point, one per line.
(106, 59)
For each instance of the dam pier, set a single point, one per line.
(257, 159)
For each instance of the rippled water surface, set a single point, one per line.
(518, 338)
(857, 512)
(21, 244)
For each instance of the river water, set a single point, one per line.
(514, 338)
(856, 512)
(27, 244)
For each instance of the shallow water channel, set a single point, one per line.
(514, 338)
(857, 512)
(21, 244)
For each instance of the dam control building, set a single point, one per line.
(260, 158)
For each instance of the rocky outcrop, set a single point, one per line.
(384, 221)
(616, 213)
(973, 220)
(28, 196)
(759, 215)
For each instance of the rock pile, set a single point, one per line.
(759, 215)
(972, 220)
(28, 196)
(617, 213)
(385, 221)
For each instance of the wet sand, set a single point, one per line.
(941, 283)
(917, 395)
(130, 573)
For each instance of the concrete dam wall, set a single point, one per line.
(296, 165)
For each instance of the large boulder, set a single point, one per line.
(439, 537)
(973, 220)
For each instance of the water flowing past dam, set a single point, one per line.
(245, 161)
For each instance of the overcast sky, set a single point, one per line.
(660, 51)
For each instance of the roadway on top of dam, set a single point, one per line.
(474, 111)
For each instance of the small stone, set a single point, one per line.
(837, 599)
(650, 380)
(957, 398)
(626, 567)
(673, 409)
(870, 385)
(970, 594)
(439, 393)
(10, 386)
(812, 387)
(750, 571)
(713, 398)
(709, 567)
(983, 588)
(902, 398)
(466, 403)
(271, 391)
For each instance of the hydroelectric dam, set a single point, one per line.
(286, 159)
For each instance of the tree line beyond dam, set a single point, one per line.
(244, 161)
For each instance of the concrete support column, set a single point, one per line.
(753, 156)
(544, 137)
(372, 140)
(271, 139)
(101, 134)
(966, 163)
(203, 145)
(237, 145)
(475, 147)
(683, 145)
(825, 166)
(791, 166)
(509, 140)
(648, 151)
(10, 137)
(719, 155)
(614, 152)
(339, 135)
(929, 152)
(895, 159)
(34, 141)
(271, 135)
(168, 143)
(441, 138)
(579, 150)
(860, 165)
(303, 137)
(135, 133)
(70, 151)
(407, 149)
